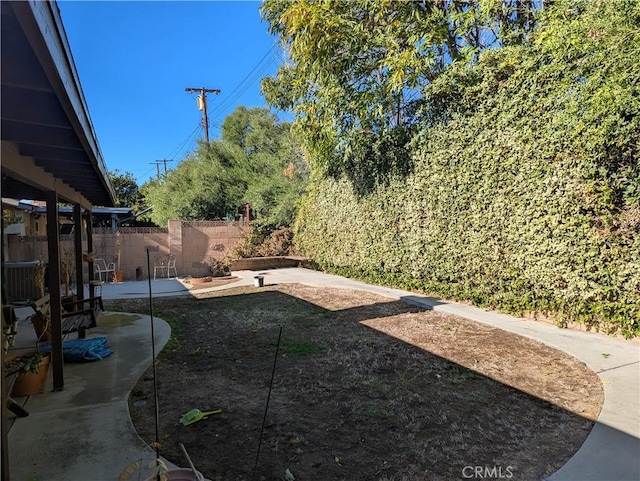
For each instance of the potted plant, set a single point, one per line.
(118, 274)
(10, 327)
(31, 370)
(40, 323)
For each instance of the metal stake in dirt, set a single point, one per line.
(153, 363)
(266, 408)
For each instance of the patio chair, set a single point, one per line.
(160, 264)
(171, 265)
(101, 267)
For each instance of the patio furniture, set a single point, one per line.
(81, 315)
(101, 267)
(171, 265)
(159, 264)
(97, 286)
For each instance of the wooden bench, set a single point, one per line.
(78, 316)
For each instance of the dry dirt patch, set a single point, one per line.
(365, 388)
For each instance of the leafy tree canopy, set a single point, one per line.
(526, 191)
(358, 70)
(128, 192)
(255, 161)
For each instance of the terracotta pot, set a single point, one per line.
(29, 383)
(200, 280)
(119, 275)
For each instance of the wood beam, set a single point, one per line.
(5, 407)
(4, 387)
(89, 225)
(25, 133)
(55, 153)
(54, 53)
(26, 171)
(53, 241)
(77, 241)
(32, 106)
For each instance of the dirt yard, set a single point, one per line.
(365, 388)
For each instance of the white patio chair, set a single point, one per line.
(171, 265)
(101, 267)
(160, 263)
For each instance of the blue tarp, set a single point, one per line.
(83, 350)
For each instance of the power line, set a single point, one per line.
(193, 141)
(177, 149)
(255, 74)
(163, 161)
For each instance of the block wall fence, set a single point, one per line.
(192, 243)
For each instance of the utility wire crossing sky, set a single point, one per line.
(135, 60)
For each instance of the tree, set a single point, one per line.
(248, 164)
(126, 188)
(526, 192)
(358, 71)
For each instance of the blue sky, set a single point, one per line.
(135, 60)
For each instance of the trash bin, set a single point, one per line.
(258, 281)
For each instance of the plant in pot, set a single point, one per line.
(9, 327)
(31, 370)
(40, 320)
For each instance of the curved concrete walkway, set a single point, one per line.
(89, 421)
(84, 433)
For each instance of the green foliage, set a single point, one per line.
(10, 217)
(129, 194)
(255, 161)
(263, 240)
(172, 344)
(219, 267)
(24, 364)
(127, 191)
(358, 70)
(525, 190)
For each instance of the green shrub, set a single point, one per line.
(259, 241)
(525, 192)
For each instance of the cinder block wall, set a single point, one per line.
(192, 243)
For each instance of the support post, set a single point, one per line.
(77, 244)
(89, 226)
(4, 391)
(53, 241)
(202, 105)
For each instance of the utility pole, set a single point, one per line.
(158, 162)
(202, 105)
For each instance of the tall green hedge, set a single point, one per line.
(525, 191)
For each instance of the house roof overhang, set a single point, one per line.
(47, 139)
